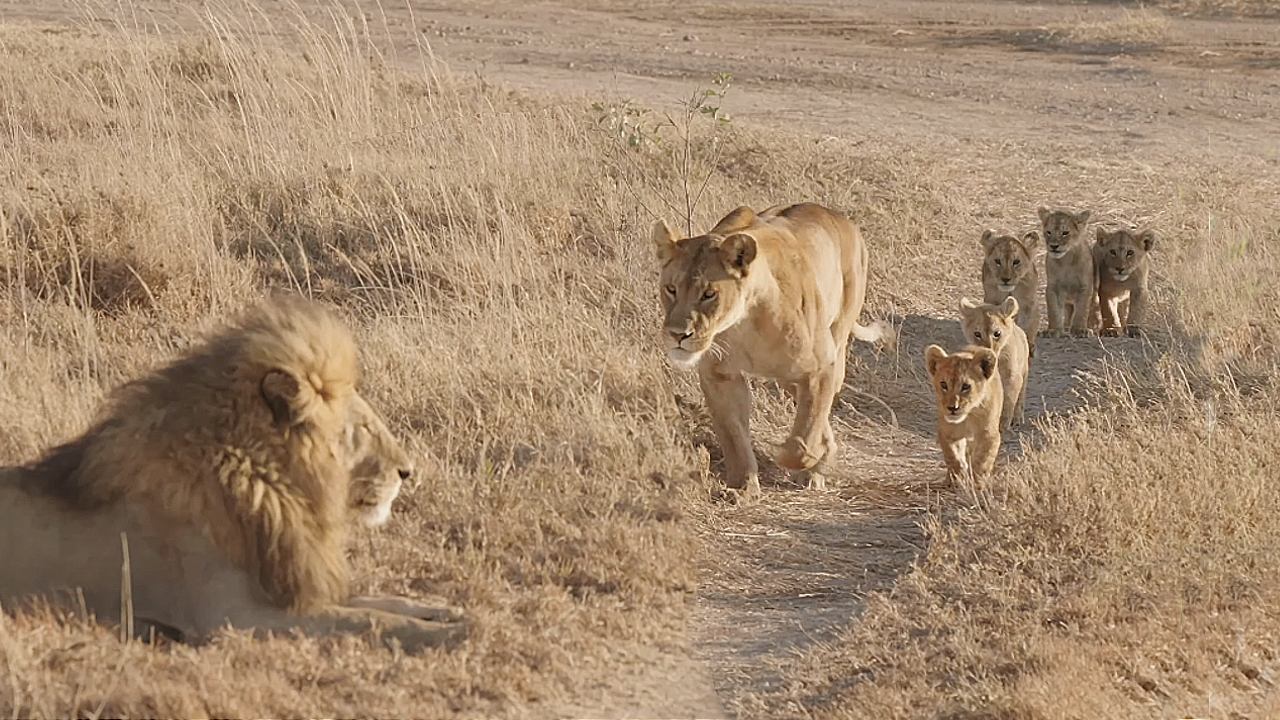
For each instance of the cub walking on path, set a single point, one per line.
(777, 295)
(995, 327)
(1008, 270)
(970, 398)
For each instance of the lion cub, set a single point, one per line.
(1071, 281)
(1009, 271)
(995, 327)
(970, 399)
(1121, 258)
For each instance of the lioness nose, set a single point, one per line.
(953, 409)
(680, 333)
(405, 473)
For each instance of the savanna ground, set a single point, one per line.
(483, 224)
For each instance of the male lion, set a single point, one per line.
(1122, 260)
(228, 475)
(1071, 282)
(995, 327)
(1008, 270)
(969, 398)
(775, 295)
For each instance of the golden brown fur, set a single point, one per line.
(1122, 261)
(996, 327)
(970, 398)
(1071, 281)
(1009, 270)
(777, 295)
(228, 471)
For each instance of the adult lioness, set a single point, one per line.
(1122, 260)
(775, 295)
(228, 475)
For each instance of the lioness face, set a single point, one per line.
(1007, 259)
(959, 379)
(1122, 251)
(988, 325)
(378, 464)
(1063, 230)
(701, 288)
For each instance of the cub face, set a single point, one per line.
(1006, 259)
(961, 380)
(701, 285)
(1063, 230)
(1121, 252)
(988, 325)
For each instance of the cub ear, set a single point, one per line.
(1082, 218)
(1009, 308)
(1031, 237)
(1147, 238)
(1103, 237)
(739, 218)
(968, 304)
(986, 361)
(664, 241)
(290, 400)
(737, 252)
(1044, 214)
(932, 356)
(988, 236)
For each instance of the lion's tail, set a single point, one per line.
(877, 332)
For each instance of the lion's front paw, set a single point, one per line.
(1110, 332)
(1134, 331)
(1080, 332)
(415, 635)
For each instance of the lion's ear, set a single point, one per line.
(932, 356)
(1102, 236)
(664, 240)
(986, 361)
(1082, 217)
(988, 236)
(1044, 214)
(738, 251)
(291, 401)
(1147, 238)
(1031, 238)
(1009, 308)
(968, 304)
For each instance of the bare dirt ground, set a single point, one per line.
(790, 571)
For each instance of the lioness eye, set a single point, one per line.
(671, 290)
(995, 334)
(964, 388)
(710, 294)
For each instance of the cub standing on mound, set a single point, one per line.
(774, 295)
(995, 327)
(1008, 271)
(969, 401)
(1071, 282)
(1121, 257)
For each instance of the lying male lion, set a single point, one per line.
(228, 474)
(776, 295)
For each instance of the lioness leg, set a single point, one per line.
(728, 399)
(1053, 305)
(815, 395)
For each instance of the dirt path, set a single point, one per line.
(790, 571)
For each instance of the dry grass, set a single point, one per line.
(1139, 26)
(491, 251)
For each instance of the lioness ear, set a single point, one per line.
(289, 399)
(737, 251)
(968, 304)
(986, 361)
(1009, 308)
(1148, 239)
(1082, 217)
(1102, 236)
(932, 356)
(1044, 213)
(664, 240)
(987, 236)
(1031, 237)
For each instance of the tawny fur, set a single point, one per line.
(228, 471)
(995, 327)
(1071, 281)
(776, 295)
(1122, 261)
(1009, 270)
(969, 397)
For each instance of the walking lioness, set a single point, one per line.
(774, 295)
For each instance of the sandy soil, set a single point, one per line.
(787, 572)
